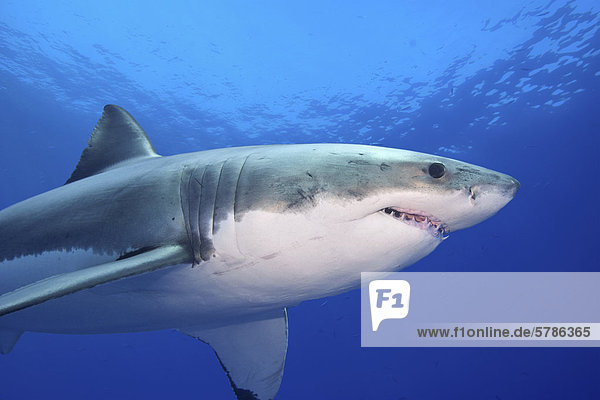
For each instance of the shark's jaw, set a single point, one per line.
(418, 219)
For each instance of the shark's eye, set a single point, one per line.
(437, 170)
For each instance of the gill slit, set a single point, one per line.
(212, 228)
(195, 217)
(235, 200)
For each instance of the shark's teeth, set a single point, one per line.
(434, 226)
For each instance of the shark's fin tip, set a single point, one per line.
(8, 339)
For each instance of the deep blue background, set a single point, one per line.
(428, 77)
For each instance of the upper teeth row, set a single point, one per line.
(436, 226)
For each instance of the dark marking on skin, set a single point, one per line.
(384, 166)
(309, 174)
(359, 162)
(468, 170)
(246, 265)
(304, 196)
(355, 194)
(244, 394)
(270, 256)
(136, 252)
(241, 394)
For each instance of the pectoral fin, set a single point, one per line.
(251, 353)
(71, 282)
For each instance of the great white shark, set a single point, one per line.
(219, 243)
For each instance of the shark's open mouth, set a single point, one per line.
(426, 222)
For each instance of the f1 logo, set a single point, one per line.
(389, 299)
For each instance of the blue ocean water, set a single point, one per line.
(511, 85)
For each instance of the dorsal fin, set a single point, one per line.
(117, 137)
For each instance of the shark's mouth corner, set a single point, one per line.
(420, 220)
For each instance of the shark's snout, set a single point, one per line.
(507, 186)
(514, 186)
(486, 197)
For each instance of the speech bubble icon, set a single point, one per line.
(389, 299)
